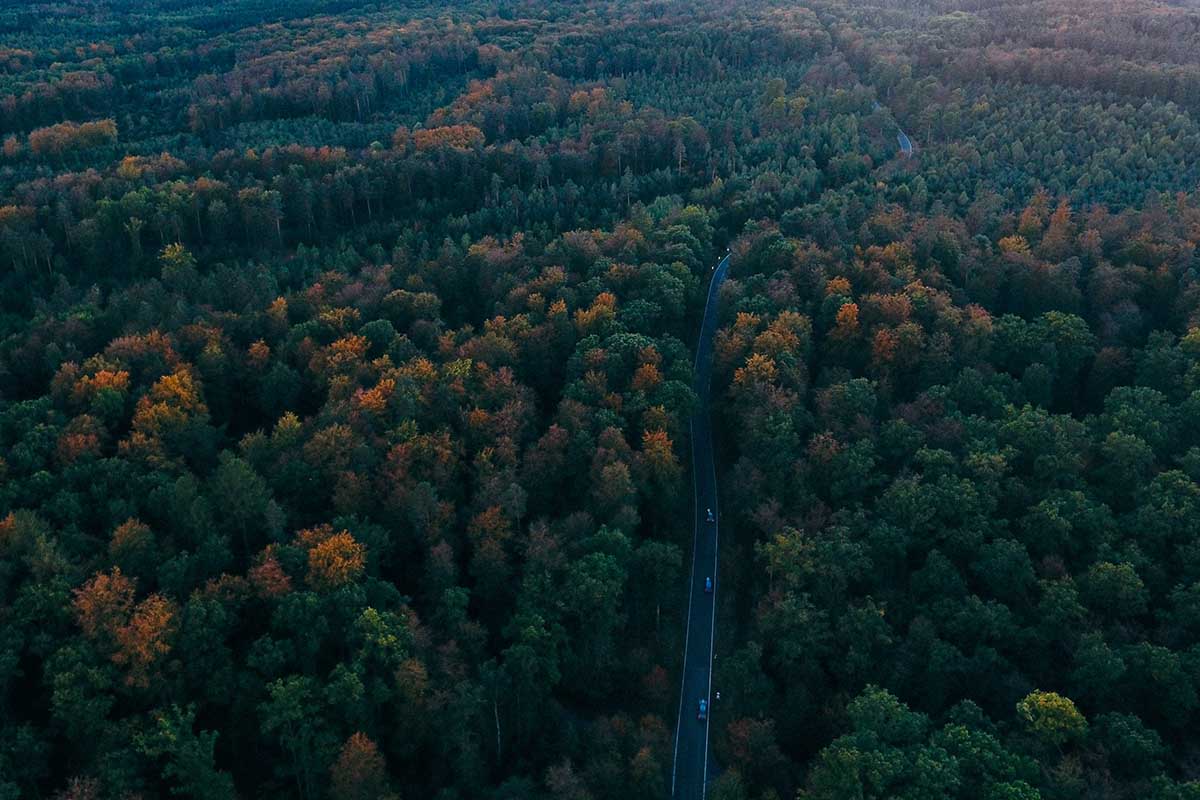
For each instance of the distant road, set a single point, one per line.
(906, 145)
(689, 770)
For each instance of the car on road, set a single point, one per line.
(708, 515)
(708, 585)
(702, 714)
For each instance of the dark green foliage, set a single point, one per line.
(345, 380)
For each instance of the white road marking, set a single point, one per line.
(712, 292)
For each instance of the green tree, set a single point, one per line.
(1052, 718)
(188, 767)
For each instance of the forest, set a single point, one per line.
(346, 359)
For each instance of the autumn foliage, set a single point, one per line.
(334, 558)
(458, 137)
(68, 137)
(359, 772)
(137, 636)
(347, 382)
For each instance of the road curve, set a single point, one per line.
(906, 145)
(689, 768)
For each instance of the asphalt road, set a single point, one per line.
(906, 145)
(689, 770)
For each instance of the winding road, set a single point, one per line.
(906, 145)
(689, 769)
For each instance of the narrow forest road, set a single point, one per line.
(906, 145)
(689, 770)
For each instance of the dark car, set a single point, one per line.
(708, 585)
(702, 714)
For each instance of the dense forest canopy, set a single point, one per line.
(346, 353)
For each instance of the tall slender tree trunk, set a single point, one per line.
(496, 715)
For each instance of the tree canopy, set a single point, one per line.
(346, 357)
